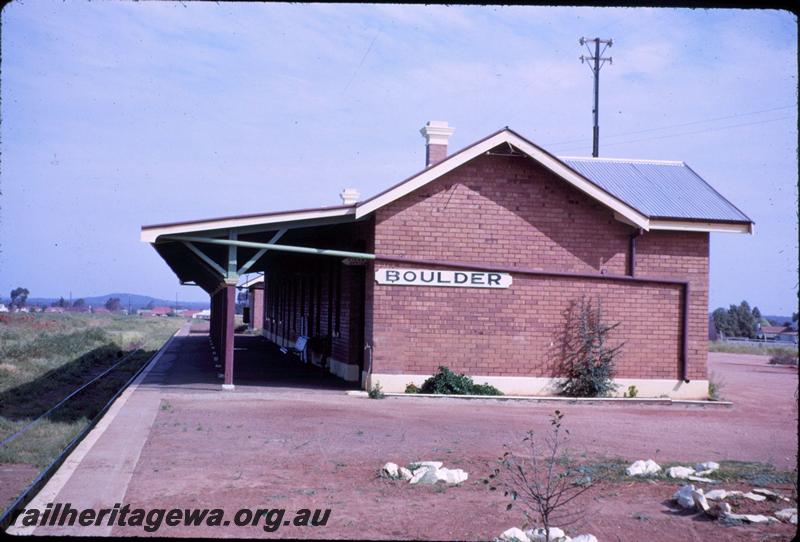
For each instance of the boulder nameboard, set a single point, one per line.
(433, 277)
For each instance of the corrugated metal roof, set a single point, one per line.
(658, 189)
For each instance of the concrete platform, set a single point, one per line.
(97, 473)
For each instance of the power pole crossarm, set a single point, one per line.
(595, 61)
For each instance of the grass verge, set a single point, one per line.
(733, 348)
(44, 358)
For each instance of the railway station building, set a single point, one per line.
(471, 263)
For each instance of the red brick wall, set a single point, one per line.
(511, 212)
(256, 302)
(684, 256)
(305, 304)
(303, 294)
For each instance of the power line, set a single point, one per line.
(362, 61)
(680, 125)
(715, 129)
(598, 59)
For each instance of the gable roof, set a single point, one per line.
(777, 329)
(647, 194)
(659, 189)
(506, 135)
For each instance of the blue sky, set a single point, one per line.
(119, 114)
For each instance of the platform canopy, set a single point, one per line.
(219, 250)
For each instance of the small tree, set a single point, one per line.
(79, 303)
(19, 296)
(587, 362)
(746, 321)
(739, 320)
(722, 322)
(542, 481)
(113, 304)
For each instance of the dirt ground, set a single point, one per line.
(14, 476)
(290, 448)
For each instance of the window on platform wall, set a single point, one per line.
(267, 301)
(287, 294)
(294, 303)
(284, 319)
(330, 298)
(317, 304)
(311, 305)
(273, 304)
(278, 306)
(302, 286)
(338, 325)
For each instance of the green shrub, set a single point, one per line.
(485, 389)
(784, 358)
(715, 386)
(376, 391)
(412, 388)
(587, 362)
(631, 393)
(446, 382)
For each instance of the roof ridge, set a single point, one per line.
(625, 160)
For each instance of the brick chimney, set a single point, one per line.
(349, 196)
(436, 134)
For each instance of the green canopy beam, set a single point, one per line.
(200, 254)
(243, 269)
(268, 246)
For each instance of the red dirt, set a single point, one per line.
(292, 448)
(13, 479)
(296, 449)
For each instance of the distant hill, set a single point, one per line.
(135, 301)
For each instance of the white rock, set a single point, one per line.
(735, 493)
(706, 468)
(679, 472)
(771, 495)
(716, 494)
(405, 474)
(389, 470)
(431, 464)
(719, 510)
(538, 535)
(700, 500)
(513, 535)
(585, 538)
(418, 474)
(754, 497)
(429, 476)
(641, 467)
(701, 479)
(453, 476)
(752, 518)
(684, 496)
(787, 514)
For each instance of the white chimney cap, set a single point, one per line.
(349, 196)
(437, 132)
